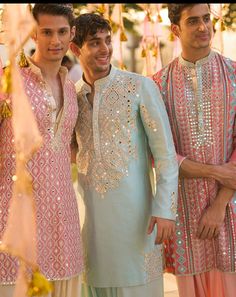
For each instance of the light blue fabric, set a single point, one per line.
(153, 289)
(116, 138)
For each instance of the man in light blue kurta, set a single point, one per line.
(122, 126)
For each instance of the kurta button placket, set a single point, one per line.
(96, 135)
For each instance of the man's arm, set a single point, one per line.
(156, 124)
(225, 174)
(214, 215)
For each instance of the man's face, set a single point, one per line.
(195, 27)
(52, 37)
(95, 54)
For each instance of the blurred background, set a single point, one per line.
(142, 39)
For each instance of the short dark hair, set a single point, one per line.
(175, 10)
(88, 24)
(65, 10)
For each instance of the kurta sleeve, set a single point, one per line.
(159, 80)
(233, 155)
(233, 79)
(157, 128)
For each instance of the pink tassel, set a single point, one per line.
(19, 238)
(1, 67)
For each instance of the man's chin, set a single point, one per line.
(204, 44)
(55, 58)
(103, 68)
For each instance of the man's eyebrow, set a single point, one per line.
(46, 28)
(93, 38)
(197, 17)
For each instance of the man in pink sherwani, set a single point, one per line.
(199, 90)
(53, 100)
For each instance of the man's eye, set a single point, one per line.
(62, 32)
(207, 19)
(47, 33)
(193, 22)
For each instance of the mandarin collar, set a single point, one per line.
(83, 87)
(63, 71)
(198, 62)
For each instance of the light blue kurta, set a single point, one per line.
(116, 136)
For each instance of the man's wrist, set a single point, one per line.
(213, 171)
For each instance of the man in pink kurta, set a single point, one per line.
(59, 244)
(199, 90)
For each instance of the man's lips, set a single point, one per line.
(203, 36)
(103, 59)
(55, 49)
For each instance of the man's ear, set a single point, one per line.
(72, 33)
(75, 49)
(175, 29)
(33, 35)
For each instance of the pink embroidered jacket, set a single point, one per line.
(58, 228)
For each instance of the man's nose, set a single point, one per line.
(104, 47)
(55, 38)
(202, 26)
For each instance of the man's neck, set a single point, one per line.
(90, 77)
(49, 69)
(195, 56)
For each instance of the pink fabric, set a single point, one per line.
(1, 67)
(58, 230)
(229, 284)
(233, 156)
(27, 139)
(209, 284)
(19, 236)
(212, 102)
(180, 159)
(23, 24)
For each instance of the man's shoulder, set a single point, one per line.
(134, 75)
(127, 76)
(139, 82)
(230, 63)
(126, 73)
(226, 60)
(162, 74)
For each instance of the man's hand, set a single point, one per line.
(165, 228)
(225, 174)
(211, 221)
(214, 216)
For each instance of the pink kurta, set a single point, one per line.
(201, 102)
(58, 228)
